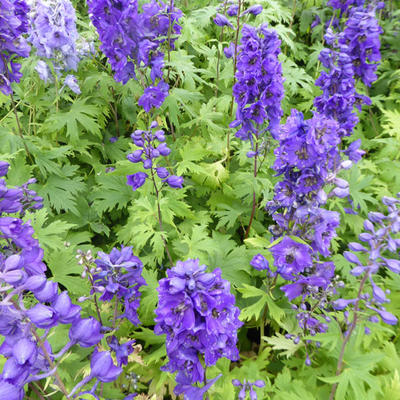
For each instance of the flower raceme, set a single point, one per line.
(132, 38)
(54, 35)
(258, 90)
(149, 150)
(379, 250)
(13, 25)
(197, 313)
(119, 274)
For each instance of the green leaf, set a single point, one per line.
(81, 117)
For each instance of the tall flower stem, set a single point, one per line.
(171, 5)
(60, 383)
(33, 387)
(253, 210)
(291, 21)
(19, 126)
(159, 217)
(221, 36)
(115, 112)
(353, 325)
(234, 76)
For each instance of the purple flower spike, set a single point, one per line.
(197, 313)
(254, 9)
(4, 168)
(162, 172)
(233, 10)
(291, 257)
(154, 96)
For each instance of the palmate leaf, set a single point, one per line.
(279, 342)
(66, 271)
(357, 183)
(81, 117)
(112, 192)
(61, 192)
(296, 78)
(256, 309)
(51, 235)
(391, 123)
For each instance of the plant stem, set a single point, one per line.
(51, 364)
(221, 36)
(160, 224)
(291, 21)
(95, 297)
(236, 46)
(19, 126)
(262, 329)
(234, 77)
(353, 325)
(33, 387)
(253, 210)
(171, 5)
(115, 113)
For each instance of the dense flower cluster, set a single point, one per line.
(247, 386)
(120, 274)
(309, 160)
(197, 313)
(338, 87)
(53, 33)
(132, 39)
(147, 154)
(259, 88)
(379, 251)
(354, 55)
(22, 271)
(361, 36)
(344, 5)
(13, 24)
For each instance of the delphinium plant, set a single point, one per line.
(291, 305)
(33, 306)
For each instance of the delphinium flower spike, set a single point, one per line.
(378, 251)
(54, 35)
(13, 25)
(258, 92)
(132, 39)
(151, 147)
(197, 313)
(309, 159)
(29, 356)
(248, 386)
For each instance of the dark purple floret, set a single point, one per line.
(137, 180)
